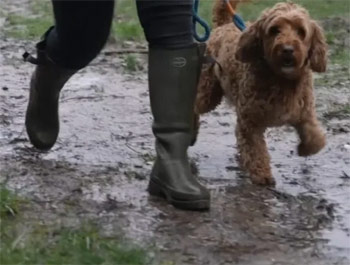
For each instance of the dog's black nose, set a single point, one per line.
(288, 50)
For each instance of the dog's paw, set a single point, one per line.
(263, 180)
(312, 147)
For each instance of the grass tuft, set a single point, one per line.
(24, 242)
(127, 30)
(9, 203)
(131, 63)
(83, 245)
(341, 112)
(33, 25)
(341, 56)
(20, 27)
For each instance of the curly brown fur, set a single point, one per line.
(266, 73)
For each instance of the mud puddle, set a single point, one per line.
(99, 169)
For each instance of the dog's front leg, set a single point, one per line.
(254, 156)
(312, 138)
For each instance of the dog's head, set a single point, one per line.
(287, 39)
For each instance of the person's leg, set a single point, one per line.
(80, 32)
(174, 68)
(166, 23)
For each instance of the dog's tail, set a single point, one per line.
(221, 12)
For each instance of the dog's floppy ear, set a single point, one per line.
(318, 49)
(250, 44)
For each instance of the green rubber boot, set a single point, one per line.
(173, 78)
(42, 119)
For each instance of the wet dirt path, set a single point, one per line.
(99, 169)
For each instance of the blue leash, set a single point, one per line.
(237, 20)
(200, 21)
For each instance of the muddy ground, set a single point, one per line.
(99, 169)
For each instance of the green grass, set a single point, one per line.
(127, 30)
(341, 112)
(330, 37)
(341, 56)
(131, 64)
(84, 245)
(20, 27)
(318, 9)
(30, 26)
(23, 242)
(9, 203)
(126, 24)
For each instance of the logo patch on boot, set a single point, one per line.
(179, 62)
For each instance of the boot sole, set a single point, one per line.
(155, 189)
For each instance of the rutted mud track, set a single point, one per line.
(99, 168)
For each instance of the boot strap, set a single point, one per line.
(210, 61)
(27, 57)
(40, 46)
(207, 60)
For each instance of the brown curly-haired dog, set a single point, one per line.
(266, 73)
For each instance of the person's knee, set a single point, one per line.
(75, 53)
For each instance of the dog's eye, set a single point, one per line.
(273, 31)
(301, 32)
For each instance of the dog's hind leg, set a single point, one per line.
(209, 96)
(254, 156)
(209, 91)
